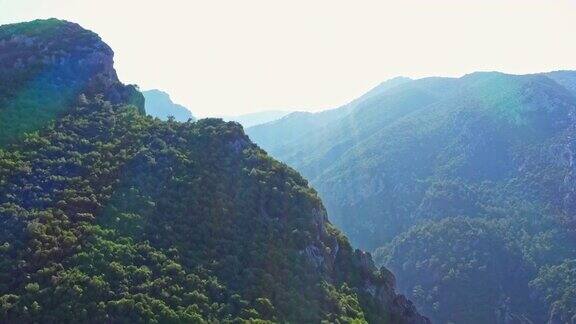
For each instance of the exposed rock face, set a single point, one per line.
(380, 284)
(64, 55)
(383, 288)
(45, 65)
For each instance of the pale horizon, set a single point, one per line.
(225, 58)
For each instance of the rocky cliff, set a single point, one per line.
(45, 65)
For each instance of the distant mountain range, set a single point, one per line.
(464, 187)
(158, 104)
(257, 118)
(292, 128)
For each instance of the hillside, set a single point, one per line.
(493, 148)
(158, 104)
(107, 215)
(43, 65)
(294, 129)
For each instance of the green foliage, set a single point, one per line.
(44, 66)
(495, 148)
(461, 270)
(557, 285)
(108, 215)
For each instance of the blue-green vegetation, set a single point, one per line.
(111, 216)
(44, 64)
(463, 187)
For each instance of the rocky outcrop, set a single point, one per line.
(46, 66)
(45, 56)
(383, 288)
(379, 284)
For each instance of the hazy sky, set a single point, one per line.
(230, 57)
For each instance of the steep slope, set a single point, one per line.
(488, 146)
(483, 133)
(370, 113)
(565, 78)
(158, 104)
(44, 65)
(107, 215)
(470, 259)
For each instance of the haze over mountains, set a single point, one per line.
(111, 216)
(464, 187)
(257, 118)
(158, 104)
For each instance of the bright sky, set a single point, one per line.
(232, 57)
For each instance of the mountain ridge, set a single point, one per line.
(488, 146)
(45, 64)
(108, 215)
(159, 104)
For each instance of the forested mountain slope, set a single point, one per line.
(417, 170)
(107, 215)
(44, 65)
(297, 127)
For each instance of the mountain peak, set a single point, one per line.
(159, 104)
(395, 81)
(387, 85)
(46, 65)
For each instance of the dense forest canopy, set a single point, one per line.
(108, 215)
(405, 168)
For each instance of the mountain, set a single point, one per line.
(158, 104)
(108, 215)
(464, 187)
(295, 127)
(564, 78)
(257, 118)
(43, 65)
